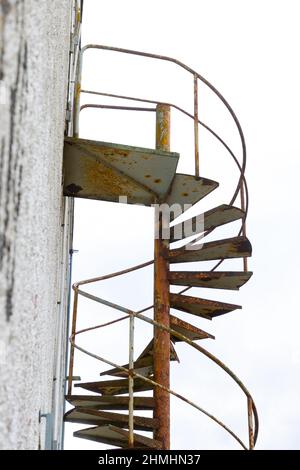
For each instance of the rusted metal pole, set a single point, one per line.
(196, 125)
(131, 383)
(250, 423)
(71, 361)
(242, 193)
(161, 302)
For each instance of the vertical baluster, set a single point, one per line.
(242, 194)
(72, 349)
(250, 423)
(196, 125)
(131, 382)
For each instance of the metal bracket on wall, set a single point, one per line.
(75, 378)
(49, 443)
(69, 112)
(74, 42)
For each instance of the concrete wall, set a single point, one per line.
(34, 52)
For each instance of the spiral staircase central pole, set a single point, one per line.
(161, 301)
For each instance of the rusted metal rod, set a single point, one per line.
(182, 338)
(119, 108)
(172, 392)
(196, 128)
(250, 423)
(202, 124)
(131, 383)
(161, 302)
(189, 69)
(111, 275)
(245, 260)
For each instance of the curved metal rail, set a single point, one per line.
(196, 77)
(242, 178)
(252, 411)
(241, 188)
(201, 123)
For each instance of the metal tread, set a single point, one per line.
(112, 435)
(187, 190)
(188, 330)
(144, 363)
(105, 171)
(91, 416)
(213, 218)
(231, 280)
(236, 247)
(201, 307)
(115, 387)
(110, 402)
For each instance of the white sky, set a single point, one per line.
(249, 50)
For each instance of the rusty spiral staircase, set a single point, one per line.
(105, 171)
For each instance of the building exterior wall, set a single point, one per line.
(35, 231)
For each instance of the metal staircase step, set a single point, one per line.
(115, 387)
(138, 439)
(101, 418)
(237, 247)
(105, 171)
(187, 190)
(114, 436)
(110, 402)
(210, 279)
(213, 218)
(201, 307)
(144, 363)
(143, 366)
(188, 330)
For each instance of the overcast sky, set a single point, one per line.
(250, 51)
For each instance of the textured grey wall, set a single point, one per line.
(34, 45)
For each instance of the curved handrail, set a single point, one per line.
(152, 382)
(173, 333)
(202, 124)
(153, 322)
(242, 175)
(241, 187)
(185, 67)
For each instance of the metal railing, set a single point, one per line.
(253, 422)
(241, 188)
(196, 77)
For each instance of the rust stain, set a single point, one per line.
(206, 182)
(73, 188)
(96, 174)
(108, 151)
